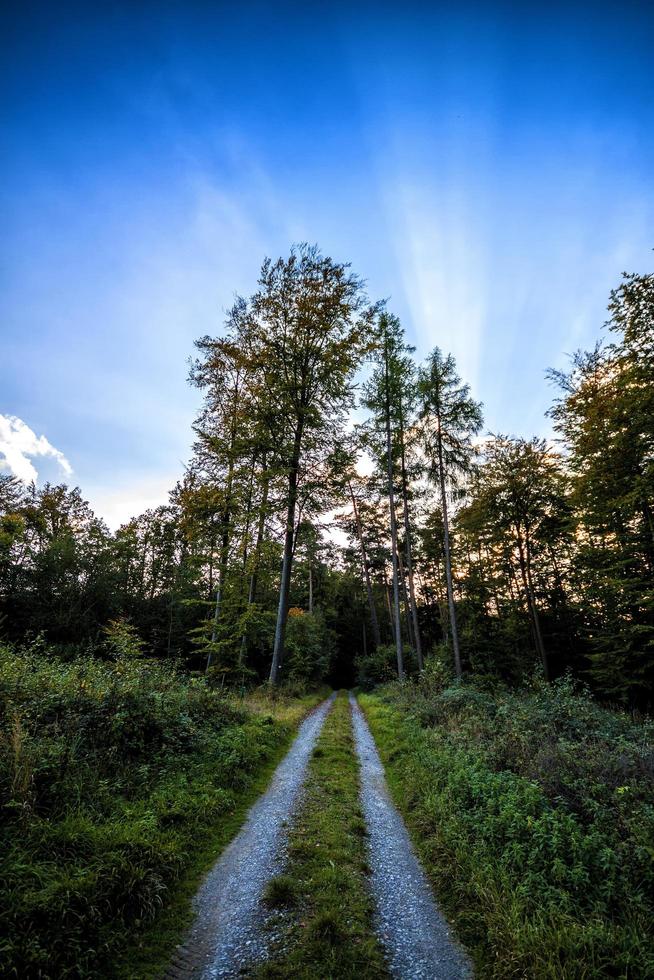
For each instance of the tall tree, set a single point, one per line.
(383, 396)
(305, 337)
(523, 486)
(450, 418)
(605, 416)
(405, 406)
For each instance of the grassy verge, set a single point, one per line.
(324, 888)
(119, 784)
(533, 816)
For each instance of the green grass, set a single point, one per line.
(532, 813)
(119, 785)
(323, 891)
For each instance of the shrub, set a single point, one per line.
(308, 647)
(541, 801)
(111, 775)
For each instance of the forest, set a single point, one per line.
(345, 521)
(496, 554)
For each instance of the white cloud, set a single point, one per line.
(18, 443)
(119, 504)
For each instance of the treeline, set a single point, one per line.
(498, 552)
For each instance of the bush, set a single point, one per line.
(111, 775)
(542, 802)
(380, 666)
(308, 647)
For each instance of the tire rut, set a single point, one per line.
(415, 935)
(229, 933)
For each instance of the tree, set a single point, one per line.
(523, 487)
(383, 396)
(605, 417)
(450, 418)
(305, 336)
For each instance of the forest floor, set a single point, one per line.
(322, 881)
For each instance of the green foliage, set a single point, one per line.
(606, 417)
(122, 639)
(308, 647)
(379, 666)
(542, 802)
(112, 776)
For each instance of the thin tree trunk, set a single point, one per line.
(287, 561)
(222, 570)
(246, 528)
(531, 605)
(409, 559)
(448, 558)
(391, 502)
(366, 571)
(257, 549)
(405, 599)
(389, 609)
(226, 529)
(536, 617)
(260, 534)
(212, 545)
(310, 590)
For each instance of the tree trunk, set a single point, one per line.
(448, 558)
(246, 528)
(405, 599)
(366, 571)
(525, 572)
(391, 503)
(310, 590)
(260, 534)
(409, 558)
(257, 548)
(226, 520)
(287, 561)
(534, 607)
(389, 609)
(222, 570)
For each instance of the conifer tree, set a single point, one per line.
(450, 418)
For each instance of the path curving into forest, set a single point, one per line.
(415, 936)
(229, 932)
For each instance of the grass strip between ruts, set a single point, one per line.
(323, 894)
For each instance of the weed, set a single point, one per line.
(281, 892)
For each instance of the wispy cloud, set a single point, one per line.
(19, 444)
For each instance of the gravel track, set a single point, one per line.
(229, 932)
(414, 934)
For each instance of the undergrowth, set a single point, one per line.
(118, 781)
(323, 892)
(533, 814)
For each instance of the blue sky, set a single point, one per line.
(488, 167)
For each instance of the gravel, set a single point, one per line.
(415, 936)
(230, 931)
